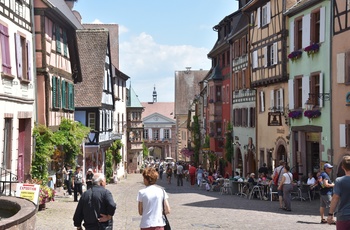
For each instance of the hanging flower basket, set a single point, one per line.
(312, 113)
(295, 114)
(186, 152)
(312, 49)
(295, 55)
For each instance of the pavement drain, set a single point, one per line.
(206, 225)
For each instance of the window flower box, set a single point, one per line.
(211, 101)
(295, 114)
(312, 49)
(312, 113)
(295, 55)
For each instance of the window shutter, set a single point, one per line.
(268, 13)
(262, 104)
(19, 56)
(306, 89)
(265, 56)
(71, 96)
(306, 30)
(322, 24)
(30, 60)
(65, 45)
(341, 68)
(272, 99)
(291, 36)
(59, 105)
(258, 17)
(101, 124)
(255, 59)
(64, 93)
(275, 53)
(342, 136)
(54, 92)
(58, 39)
(320, 99)
(281, 105)
(291, 93)
(5, 49)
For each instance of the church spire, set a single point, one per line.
(154, 94)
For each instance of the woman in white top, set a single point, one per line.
(287, 186)
(150, 204)
(311, 180)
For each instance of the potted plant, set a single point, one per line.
(312, 49)
(295, 114)
(46, 194)
(312, 113)
(295, 55)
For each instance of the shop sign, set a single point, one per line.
(28, 191)
(274, 119)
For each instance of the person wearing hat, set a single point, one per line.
(89, 176)
(77, 182)
(326, 190)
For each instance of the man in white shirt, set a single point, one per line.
(179, 173)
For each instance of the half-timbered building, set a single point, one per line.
(57, 60)
(94, 98)
(267, 42)
(17, 88)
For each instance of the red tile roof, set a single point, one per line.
(164, 108)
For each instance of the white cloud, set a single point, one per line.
(123, 29)
(148, 63)
(97, 21)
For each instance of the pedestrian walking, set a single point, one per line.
(199, 175)
(286, 186)
(180, 172)
(341, 198)
(161, 171)
(326, 190)
(89, 176)
(67, 175)
(277, 177)
(96, 207)
(192, 171)
(169, 173)
(77, 183)
(152, 202)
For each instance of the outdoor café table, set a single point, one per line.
(241, 185)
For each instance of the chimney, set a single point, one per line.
(70, 3)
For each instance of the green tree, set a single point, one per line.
(113, 156)
(145, 150)
(69, 136)
(44, 148)
(228, 144)
(196, 139)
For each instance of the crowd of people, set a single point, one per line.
(96, 206)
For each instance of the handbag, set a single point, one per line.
(276, 177)
(167, 224)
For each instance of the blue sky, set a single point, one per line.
(159, 37)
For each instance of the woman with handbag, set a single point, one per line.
(287, 187)
(153, 203)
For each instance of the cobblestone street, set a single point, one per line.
(191, 208)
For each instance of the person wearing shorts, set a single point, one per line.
(326, 190)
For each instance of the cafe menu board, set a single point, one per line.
(28, 191)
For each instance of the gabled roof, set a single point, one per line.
(164, 108)
(92, 48)
(61, 7)
(160, 118)
(133, 101)
(299, 6)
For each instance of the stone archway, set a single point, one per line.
(281, 150)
